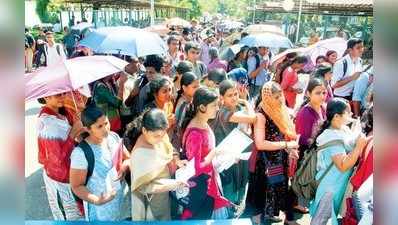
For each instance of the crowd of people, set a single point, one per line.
(162, 111)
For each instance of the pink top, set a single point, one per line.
(198, 144)
(289, 78)
(217, 64)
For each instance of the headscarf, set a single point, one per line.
(277, 111)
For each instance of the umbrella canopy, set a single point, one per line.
(263, 28)
(160, 29)
(320, 48)
(176, 21)
(71, 74)
(81, 26)
(266, 40)
(229, 53)
(124, 40)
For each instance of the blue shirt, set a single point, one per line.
(263, 76)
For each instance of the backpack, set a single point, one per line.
(89, 155)
(345, 66)
(304, 183)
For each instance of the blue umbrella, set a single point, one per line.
(266, 40)
(124, 40)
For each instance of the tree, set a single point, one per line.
(48, 10)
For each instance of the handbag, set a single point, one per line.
(275, 174)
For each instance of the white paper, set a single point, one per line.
(230, 149)
(186, 172)
(167, 181)
(245, 156)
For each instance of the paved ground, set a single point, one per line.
(35, 197)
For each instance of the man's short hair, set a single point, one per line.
(154, 61)
(184, 66)
(352, 42)
(190, 45)
(49, 33)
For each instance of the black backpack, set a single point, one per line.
(89, 155)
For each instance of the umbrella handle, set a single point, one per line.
(74, 103)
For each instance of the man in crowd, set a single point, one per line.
(348, 69)
(192, 51)
(29, 50)
(257, 68)
(54, 52)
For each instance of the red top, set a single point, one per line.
(289, 79)
(365, 168)
(55, 145)
(198, 143)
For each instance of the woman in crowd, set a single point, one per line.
(189, 84)
(56, 140)
(275, 140)
(280, 67)
(310, 116)
(331, 57)
(239, 60)
(320, 60)
(290, 80)
(160, 97)
(324, 72)
(199, 144)
(151, 162)
(94, 165)
(215, 61)
(233, 112)
(340, 158)
(109, 98)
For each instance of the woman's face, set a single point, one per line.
(100, 129)
(55, 101)
(164, 93)
(153, 137)
(191, 88)
(317, 95)
(343, 119)
(332, 58)
(231, 97)
(211, 109)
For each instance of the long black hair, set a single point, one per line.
(202, 96)
(334, 106)
(89, 116)
(156, 85)
(312, 84)
(367, 120)
(151, 120)
(186, 79)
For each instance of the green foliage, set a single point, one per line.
(48, 10)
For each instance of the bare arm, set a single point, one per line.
(346, 80)
(259, 137)
(344, 162)
(77, 179)
(239, 117)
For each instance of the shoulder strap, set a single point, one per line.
(89, 154)
(329, 144)
(257, 60)
(345, 66)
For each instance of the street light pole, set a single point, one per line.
(152, 12)
(299, 20)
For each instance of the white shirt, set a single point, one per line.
(338, 74)
(52, 54)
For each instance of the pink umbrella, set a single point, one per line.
(320, 48)
(71, 74)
